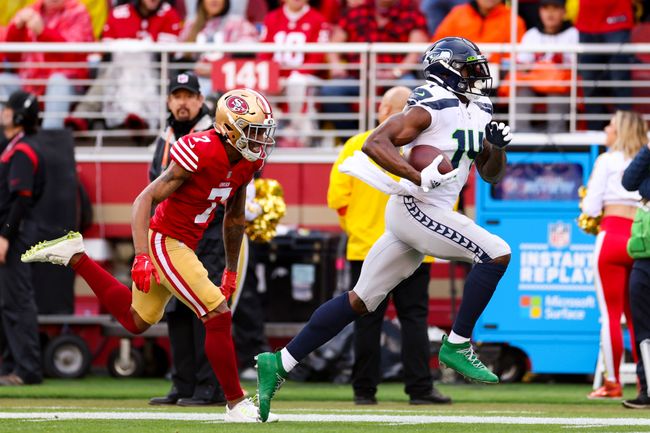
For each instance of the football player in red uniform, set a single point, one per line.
(292, 25)
(207, 169)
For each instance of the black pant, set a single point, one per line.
(22, 350)
(411, 298)
(248, 321)
(640, 306)
(605, 72)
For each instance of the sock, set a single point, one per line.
(479, 287)
(220, 351)
(327, 321)
(288, 361)
(112, 294)
(456, 339)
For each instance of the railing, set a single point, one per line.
(159, 61)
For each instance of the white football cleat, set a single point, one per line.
(246, 411)
(58, 251)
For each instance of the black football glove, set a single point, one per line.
(498, 134)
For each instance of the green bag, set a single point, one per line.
(638, 247)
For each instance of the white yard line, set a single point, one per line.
(384, 419)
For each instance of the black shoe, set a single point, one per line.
(641, 402)
(434, 397)
(365, 400)
(168, 399)
(193, 401)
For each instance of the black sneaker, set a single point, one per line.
(169, 399)
(365, 400)
(641, 402)
(434, 397)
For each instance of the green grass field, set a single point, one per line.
(106, 405)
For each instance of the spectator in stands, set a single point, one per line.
(193, 381)
(22, 182)
(125, 89)
(625, 135)
(637, 177)
(213, 24)
(48, 21)
(436, 10)
(373, 21)
(553, 31)
(295, 24)
(361, 214)
(605, 22)
(481, 21)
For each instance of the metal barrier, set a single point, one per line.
(160, 60)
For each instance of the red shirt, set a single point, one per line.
(126, 23)
(360, 25)
(187, 212)
(70, 24)
(286, 29)
(603, 16)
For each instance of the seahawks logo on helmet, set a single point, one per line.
(458, 65)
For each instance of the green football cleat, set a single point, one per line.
(463, 359)
(270, 377)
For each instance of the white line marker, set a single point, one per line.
(383, 419)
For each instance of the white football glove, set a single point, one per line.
(498, 134)
(431, 178)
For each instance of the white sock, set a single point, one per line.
(456, 339)
(288, 361)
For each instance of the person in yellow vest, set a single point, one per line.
(361, 215)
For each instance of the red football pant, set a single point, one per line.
(612, 271)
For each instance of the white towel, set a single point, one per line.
(360, 166)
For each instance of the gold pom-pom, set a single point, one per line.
(588, 224)
(269, 195)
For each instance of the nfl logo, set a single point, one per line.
(559, 234)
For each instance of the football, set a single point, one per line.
(422, 155)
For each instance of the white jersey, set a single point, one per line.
(456, 129)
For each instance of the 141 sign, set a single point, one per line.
(262, 75)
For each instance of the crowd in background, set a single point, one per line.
(62, 80)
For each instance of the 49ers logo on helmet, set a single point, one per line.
(237, 105)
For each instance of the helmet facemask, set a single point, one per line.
(259, 136)
(245, 118)
(471, 80)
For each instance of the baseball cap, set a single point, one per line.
(561, 3)
(185, 80)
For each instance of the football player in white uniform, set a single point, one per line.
(452, 113)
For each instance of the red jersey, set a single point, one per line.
(603, 16)
(287, 29)
(187, 212)
(126, 23)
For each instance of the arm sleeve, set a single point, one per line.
(184, 155)
(155, 167)
(644, 188)
(21, 174)
(637, 171)
(21, 181)
(592, 204)
(17, 211)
